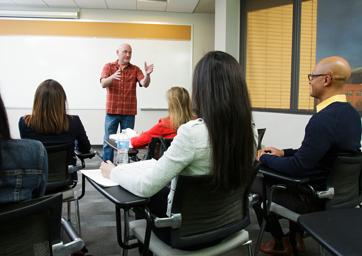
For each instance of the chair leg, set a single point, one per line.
(126, 230)
(260, 237)
(69, 212)
(250, 249)
(76, 204)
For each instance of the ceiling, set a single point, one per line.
(185, 6)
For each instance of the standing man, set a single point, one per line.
(335, 128)
(120, 79)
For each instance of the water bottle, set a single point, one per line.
(122, 149)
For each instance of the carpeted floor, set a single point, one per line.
(99, 225)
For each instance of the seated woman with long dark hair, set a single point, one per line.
(23, 165)
(179, 112)
(49, 121)
(219, 143)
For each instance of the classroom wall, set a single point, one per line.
(227, 29)
(283, 130)
(203, 24)
(93, 119)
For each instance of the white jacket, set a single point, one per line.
(189, 154)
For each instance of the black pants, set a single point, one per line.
(292, 198)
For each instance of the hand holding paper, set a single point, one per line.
(96, 175)
(106, 168)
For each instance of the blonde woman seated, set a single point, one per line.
(179, 112)
(49, 121)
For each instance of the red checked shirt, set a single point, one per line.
(121, 95)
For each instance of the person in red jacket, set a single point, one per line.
(179, 112)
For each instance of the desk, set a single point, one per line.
(338, 230)
(124, 200)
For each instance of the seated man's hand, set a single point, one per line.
(106, 168)
(269, 150)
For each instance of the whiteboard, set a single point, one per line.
(77, 62)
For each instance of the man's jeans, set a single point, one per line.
(110, 127)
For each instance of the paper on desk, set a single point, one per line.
(138, 167)
(96, 175)
(135, 168)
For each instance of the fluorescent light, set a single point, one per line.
(46, 13)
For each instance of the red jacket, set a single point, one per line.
(161, 129)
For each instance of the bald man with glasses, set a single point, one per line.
(333, 129)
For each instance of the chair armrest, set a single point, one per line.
(318, 175)
(282, 181)
(326, 194)
(83, 156)
(270, 173)
(75, 244)
(80, 155)
(174, 221)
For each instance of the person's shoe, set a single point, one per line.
(270, 247)
(82, 252)
(300, 242)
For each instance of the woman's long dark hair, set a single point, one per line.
(4, 123)
(4, 127)
(220, 97)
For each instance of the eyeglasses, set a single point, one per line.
(312, 76)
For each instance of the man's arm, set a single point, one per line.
(317, 141)
(107, 81)
(145, 82)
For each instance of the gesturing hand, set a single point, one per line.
(116, 75)
(148, 68)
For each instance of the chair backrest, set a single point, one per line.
(208, 214)
(59, 177)
(157, 147)
(345, 177)
(30, 228)
(261, 132)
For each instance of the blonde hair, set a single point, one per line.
(49, 109)
(179, 106)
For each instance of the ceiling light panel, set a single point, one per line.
(92, 4)
(60, 3)
(40, 13)
(148, 5)
(124, 4)
(30, 3)
(7, 3)
(181, 6)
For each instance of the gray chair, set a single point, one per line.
(33, 228)
(62, 177)
(204, 220)
(343, 188)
